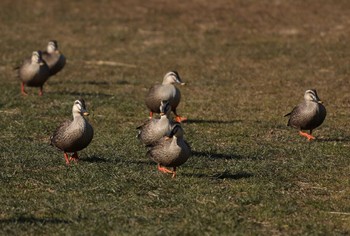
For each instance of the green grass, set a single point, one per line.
(246, 64)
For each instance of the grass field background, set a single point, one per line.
(246, 64)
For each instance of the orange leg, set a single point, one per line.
(66, 157)
(165, 170)
(41, 91)
(150, 115)
(74, 157)
(180, 119)
(308, 136)
(23, 91)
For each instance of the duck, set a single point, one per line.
(154, 129)
(308, 115)
(170, 151)
(54, 58)
(33, 72)
(165, 91)
(74, 135)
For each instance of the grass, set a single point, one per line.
(246, 64)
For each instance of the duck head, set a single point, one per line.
(172, 77)
(311, 96)
(36, 57)
(52, 46)
(79, 108)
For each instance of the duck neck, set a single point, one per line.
(164, 118)
(312, 106)
(77, 118)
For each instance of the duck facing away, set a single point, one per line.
(33, 72)
(308, 115)
(165, 92)
(170, 151)
(154, 129)
(73, 135)
(53, 57)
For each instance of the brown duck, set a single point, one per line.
(154, 129)
(170, 151)
(165, 92)
(308, 115)
(33, 72)
(54, 58)
(73, 135)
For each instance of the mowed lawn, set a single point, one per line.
(246, 64)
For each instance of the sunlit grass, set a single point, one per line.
(245, 67)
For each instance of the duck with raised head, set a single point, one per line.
(308, 115)
(73, 135)
(170, 151)
(54, 58)
(154, 129)
(166, 91)
(33, 72)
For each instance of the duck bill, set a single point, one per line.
(162, 113)
(179, 81)
(320, 102)
(85, 113)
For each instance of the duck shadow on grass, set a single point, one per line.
(197, 121)
(33, 220)
(217, 155)
(223, 175)
(97, 159)
(82, 94)
(142, 162)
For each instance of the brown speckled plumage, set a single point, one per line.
(154, 129)
(171, 150)
(74, 135)
(309, 114)
(33, 72)
(165, 92)
(54, 58)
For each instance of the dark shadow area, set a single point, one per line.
(143, 162)
(95, 82)
(236, 176)
(121, 82)
(93, 159)
(223, 175)
(212, 121)
(96, 159)
(78, 94)
(217, 155)
(33, 220)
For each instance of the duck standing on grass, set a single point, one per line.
(170, 151)
(154, 129)
(73, 135)
(165, 92)
(54, 58)
(33, 72)
(308, 115)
